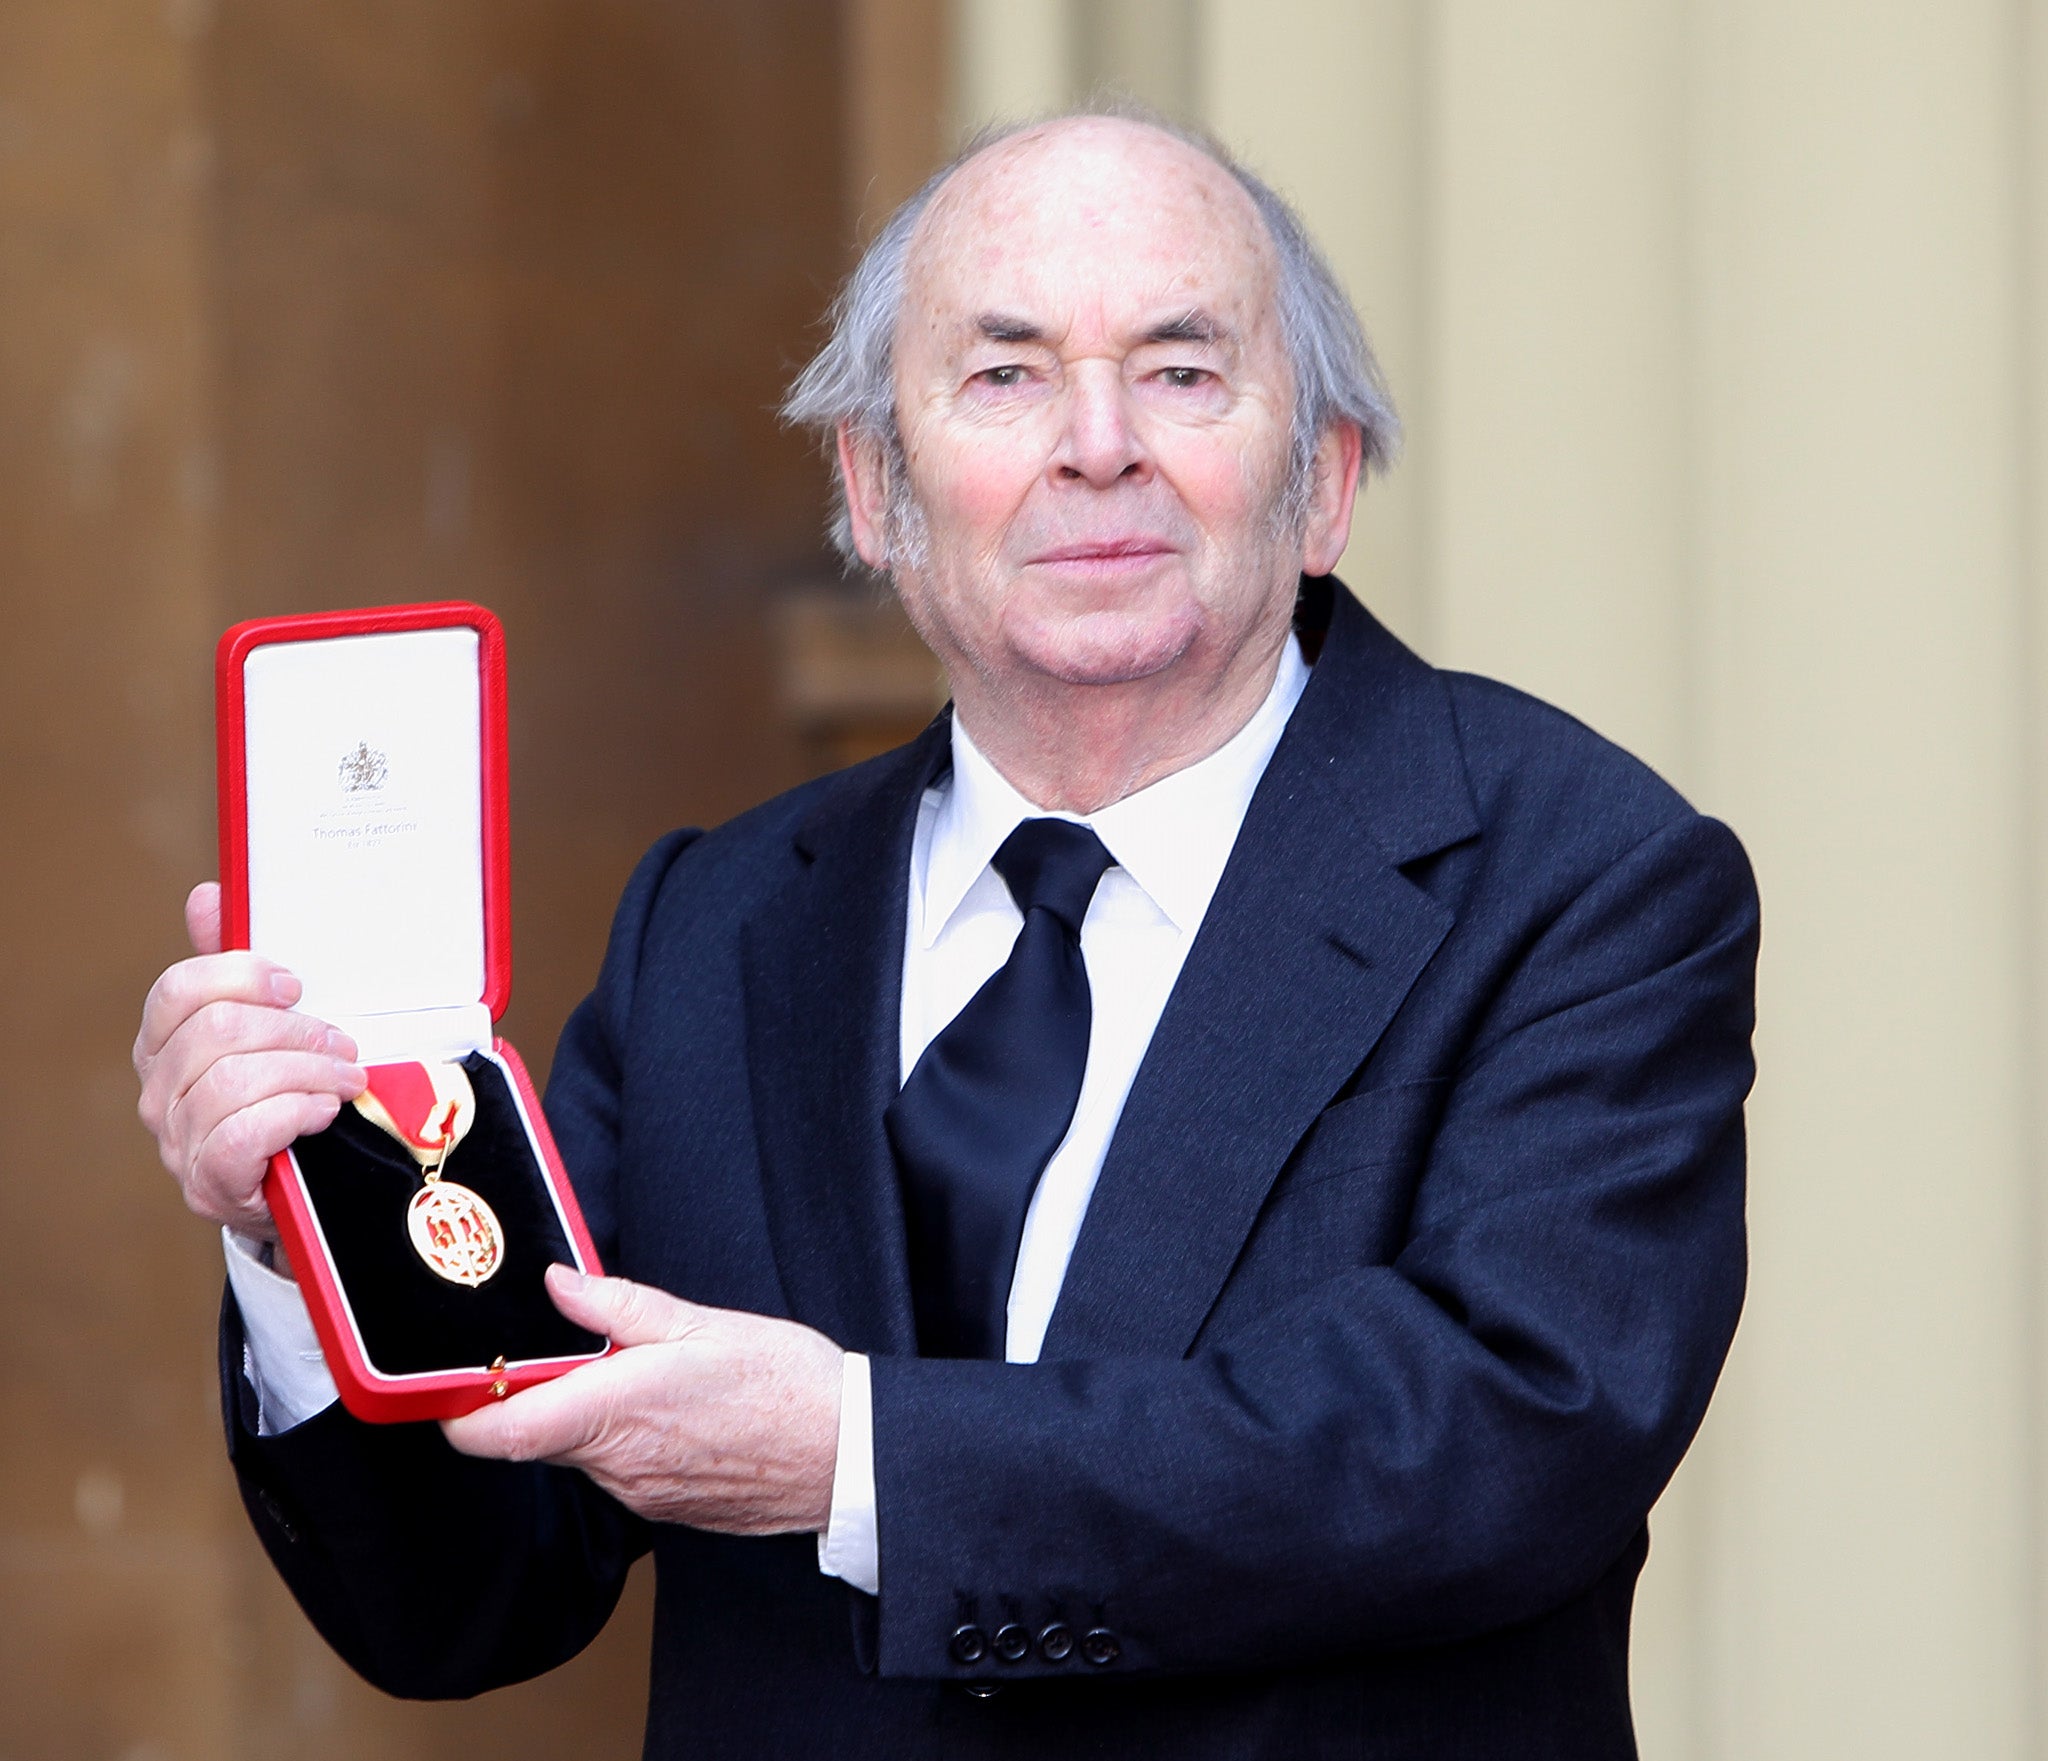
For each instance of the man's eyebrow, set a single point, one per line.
(1002, 327)
(1192, 326)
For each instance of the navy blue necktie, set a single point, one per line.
(988, 1103)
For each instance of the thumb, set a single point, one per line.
(202, 917)
(627, 1313)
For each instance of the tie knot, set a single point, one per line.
(1055, 864)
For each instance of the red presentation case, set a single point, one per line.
(363, 844)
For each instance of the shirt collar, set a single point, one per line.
(1172, 838)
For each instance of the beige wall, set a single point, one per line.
(1717, 329)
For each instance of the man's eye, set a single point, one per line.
(1185, 378)
(1001, 376)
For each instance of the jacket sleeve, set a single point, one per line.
(1413, 1451)
(432, 1574)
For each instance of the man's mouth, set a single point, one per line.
(1107, 554)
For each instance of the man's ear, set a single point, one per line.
(864, 473)
(1334, 493)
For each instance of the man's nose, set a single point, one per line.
(1100, 442)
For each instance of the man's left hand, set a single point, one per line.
(711, 1417)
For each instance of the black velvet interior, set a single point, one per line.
(360, 1183)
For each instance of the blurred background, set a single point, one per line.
(1718, 329)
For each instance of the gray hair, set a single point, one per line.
(1337, 381)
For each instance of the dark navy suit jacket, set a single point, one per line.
(1404, 1287)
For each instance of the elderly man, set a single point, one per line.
(1191, 1211)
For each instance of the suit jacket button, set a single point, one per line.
(1101, 1646)
(275, 1511)
(969, 1644)
(1056, 1643)
(1012, 1643)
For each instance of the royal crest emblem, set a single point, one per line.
(363, 769)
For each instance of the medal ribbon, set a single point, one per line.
(428, 1107)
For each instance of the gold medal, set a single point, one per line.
(429, 1108)
(454, 1231)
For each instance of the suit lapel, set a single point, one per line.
(1312, 942)
(824, 971)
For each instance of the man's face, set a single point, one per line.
(1095, 403)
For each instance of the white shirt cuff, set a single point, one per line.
(848, 1548)
(280, 1355)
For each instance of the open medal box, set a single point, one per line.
(363, 830)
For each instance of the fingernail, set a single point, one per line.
(337, 1044)
(573, 1282)
(285, 990)
(353, 1080)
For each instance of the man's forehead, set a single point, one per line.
(1085, 208)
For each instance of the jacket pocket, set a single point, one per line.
(1343, 1199)
(1366, 1130)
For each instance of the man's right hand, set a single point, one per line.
(231, 1074)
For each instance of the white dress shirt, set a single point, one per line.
(1169, 843)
